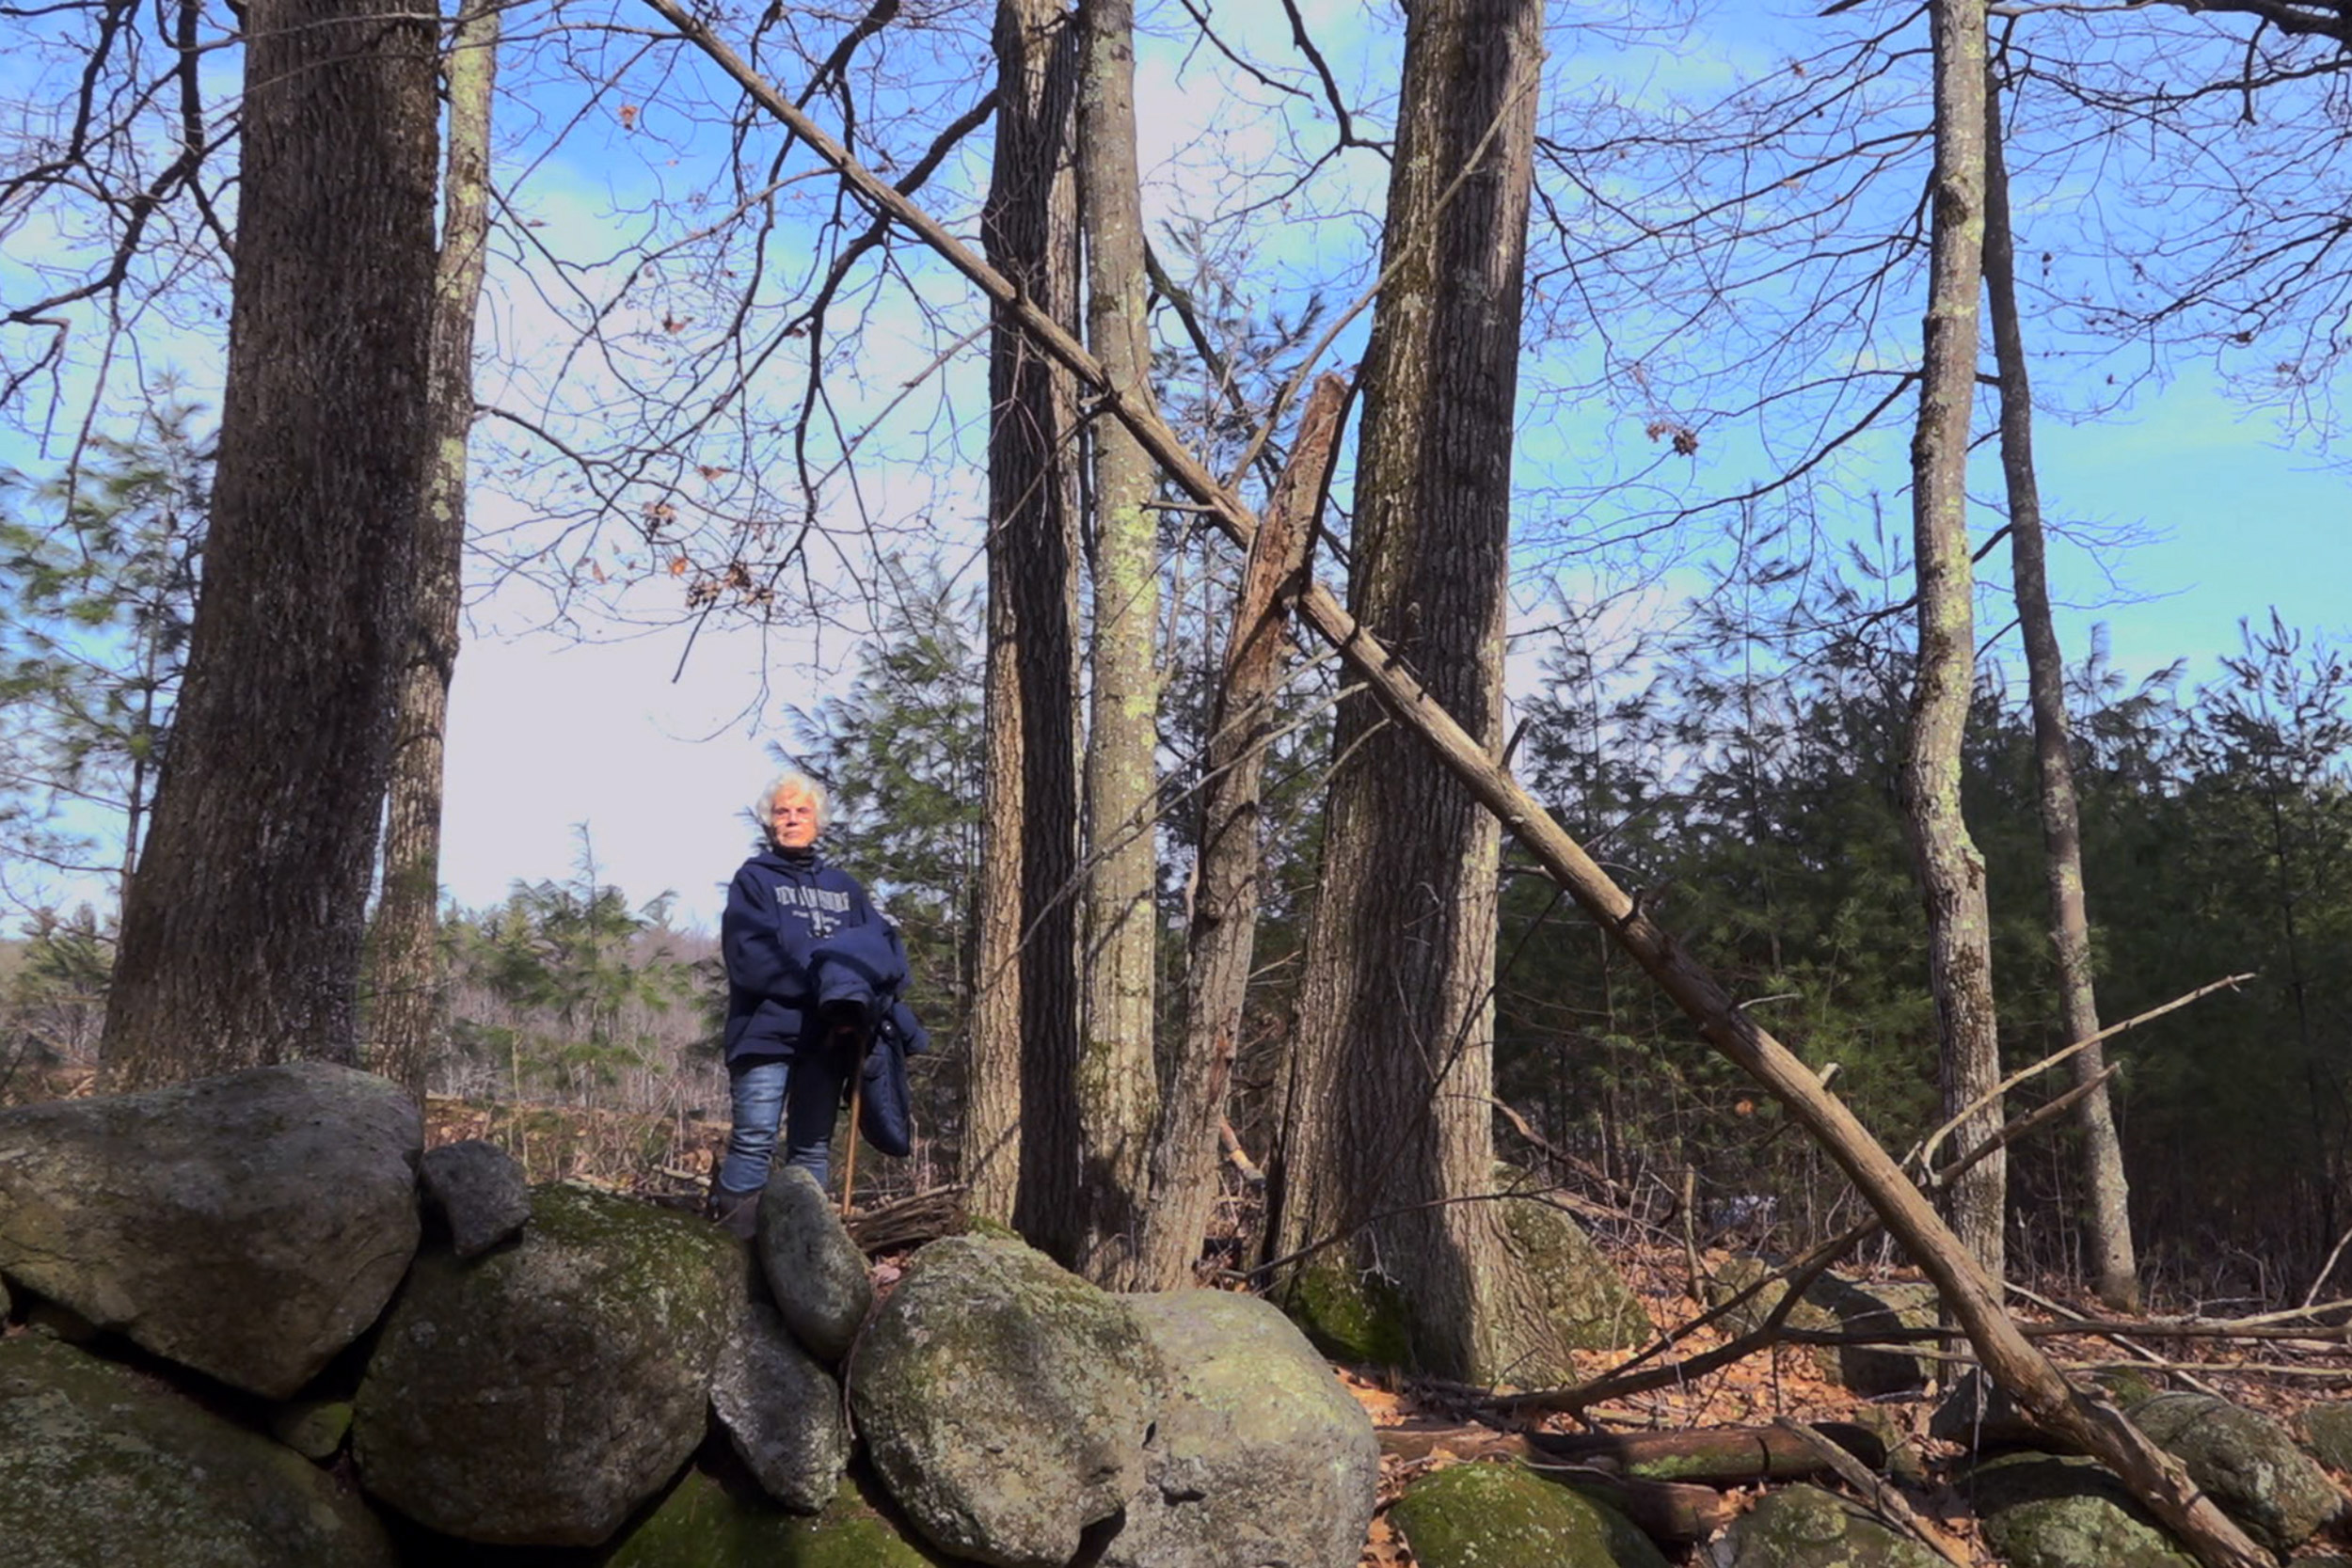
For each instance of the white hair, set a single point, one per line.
(790, 785)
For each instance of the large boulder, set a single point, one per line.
(1803, 1526)
(2041, 1511)
(538, 1393)
(1834, 1304)
(782, 1411)
(1006, 1403)
(1589, 1302)
(2246, 1462)
(479, 1192)
(704, 1524)
(100, 1466)
(1981, 1417)
(248, 1226)
(1261, 1457)
(816, 1272)
(1503, 1516)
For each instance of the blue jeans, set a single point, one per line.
(801, 1095)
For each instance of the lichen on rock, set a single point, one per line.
(1804, 1527)
(536, 1395)
(1260, 1456)
(2247, 1462)
(1006, 1403)
(2041, 1511)
(249, 1225)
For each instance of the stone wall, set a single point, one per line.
(248, 1322)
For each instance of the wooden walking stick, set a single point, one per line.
(849, 1041)
(849, 1161)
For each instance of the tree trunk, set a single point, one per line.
(241, 932)
(2153, 1477)
(1952, 872)
(1225, 899)
(1024, 1011)
(1395, 1032)
(1117, 1083)
(2108, 1226)
(408, 1011)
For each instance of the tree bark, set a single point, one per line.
(1394, 1043)
(241, 932)
(2156, 1479)
(1117, 1080)
(2107, 1227)
(1952, 872)
(1226, 885)
(1024, 1008)
(408, 1010)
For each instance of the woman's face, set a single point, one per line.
(793, 821)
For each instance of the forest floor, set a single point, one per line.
(2278, 1377)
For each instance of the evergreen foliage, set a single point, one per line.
(100, 566)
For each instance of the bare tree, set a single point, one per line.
(241, 939)
(1116, 1082)
(408, 1006)
(1389, 1124)
(1952, 872)
(1020, 1120)
(2107, 1227)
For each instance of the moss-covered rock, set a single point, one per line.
(1506, 1516)
(2041, 1511)
(2247, 1462)
(2328, 1432)
(1980, 1415)
(1348, 1315)
(1589, 1303)
(99, 1466)
(1260, 1457)
(1803, 1526)
(702, 1524)
(1005, 1402)
(537, 1394)
(248, 1226)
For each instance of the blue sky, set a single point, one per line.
(615, 724)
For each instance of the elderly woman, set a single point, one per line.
(790, 1051)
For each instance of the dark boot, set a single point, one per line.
(737, 1213)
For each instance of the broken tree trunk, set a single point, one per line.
(2153, 1477)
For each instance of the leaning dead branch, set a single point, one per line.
(2153, 1477)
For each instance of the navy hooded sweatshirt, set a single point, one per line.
(799, 936)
